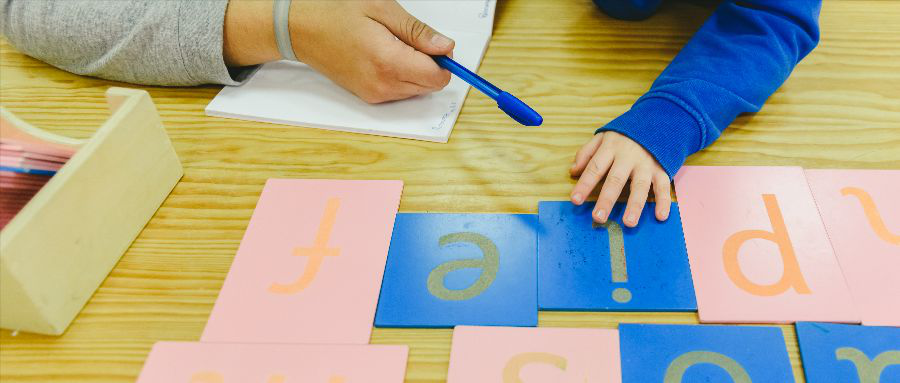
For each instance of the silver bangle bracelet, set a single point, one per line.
(281, 11)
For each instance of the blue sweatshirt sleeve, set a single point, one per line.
(737, 59)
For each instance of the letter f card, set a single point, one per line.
(757, 247)
(445, 270)
(310, 265)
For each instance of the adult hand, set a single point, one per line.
(373, 48)
(619, 159)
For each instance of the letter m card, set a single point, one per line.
(310, 265)
(757, 247)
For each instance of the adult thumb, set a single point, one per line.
(413, 31)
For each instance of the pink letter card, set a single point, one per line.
(757, 247)
(196, 362)
(522, 354)
(861, 211)
(310, 265)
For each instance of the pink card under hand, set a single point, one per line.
(861, 211)
(535, 355)
(757, 247)
(310, 265)
(195, 362)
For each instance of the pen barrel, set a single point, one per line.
(468, 76)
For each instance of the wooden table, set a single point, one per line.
(840, 109)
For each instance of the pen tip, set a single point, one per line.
(518, 110)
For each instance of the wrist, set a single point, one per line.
(249, 34)
(663, 127)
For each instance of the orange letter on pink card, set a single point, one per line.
(791, 277)
(872, 214)
(215, 377)
(207, 377)
(316, 254)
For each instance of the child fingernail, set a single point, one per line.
(601, 214)
(577, 197)
(631, 219)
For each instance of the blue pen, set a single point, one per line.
(508, 103)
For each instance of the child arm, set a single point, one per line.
(737, 59)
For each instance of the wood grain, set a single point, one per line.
(579, 68)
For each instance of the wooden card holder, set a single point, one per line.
(59, 248)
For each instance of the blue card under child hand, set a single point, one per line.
(703, 353)
(445, 270)
(584, 266)
(849, 353)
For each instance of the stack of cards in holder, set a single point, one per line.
(26, 164)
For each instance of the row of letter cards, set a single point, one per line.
(445, 270)
(783, 244)
(639, 353)
(299, 300)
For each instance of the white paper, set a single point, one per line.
(292, 93)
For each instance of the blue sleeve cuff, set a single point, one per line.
(668, 131)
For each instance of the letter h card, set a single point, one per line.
(310, 265)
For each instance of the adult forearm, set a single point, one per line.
(249, 33)
(148, 42)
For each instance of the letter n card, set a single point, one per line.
(757, 247)
(536, 355)
(310, 265)
(849, 353)
(197, 362)
(861, 211)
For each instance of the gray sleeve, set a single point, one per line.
(158, 42)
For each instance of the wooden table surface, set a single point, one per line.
(840, 109)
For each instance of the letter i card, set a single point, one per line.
(757, 247)
(611, 267)
(494, 354)
(703, 353)
(310, 265)
(861, 211)
(445, 270)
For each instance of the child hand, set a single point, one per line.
(619, 159)
(353, 43)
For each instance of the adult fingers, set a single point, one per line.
(411, 30)
(421, 69)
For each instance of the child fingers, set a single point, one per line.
(611, 189)
(662, 190)
(594, 171)
(585, 153)
(640, 189)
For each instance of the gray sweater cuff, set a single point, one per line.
(201, 44)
